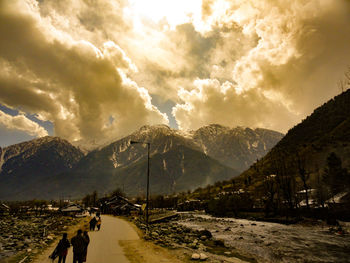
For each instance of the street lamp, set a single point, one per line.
(147, 193)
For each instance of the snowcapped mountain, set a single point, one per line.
(179, 161)
(24, 164)
(27, 150)
(161, 137)
(238, 147)
(177, 164)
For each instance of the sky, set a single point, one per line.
(97, 70)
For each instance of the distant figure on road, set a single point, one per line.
(93, 222)
(87, 241)
(79, 244)
(99, 222)
(61, 249)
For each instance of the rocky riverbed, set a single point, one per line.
(194, 243)
(231, 240)
(24, 235)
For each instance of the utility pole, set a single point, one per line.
(147, 193)
(148, 172)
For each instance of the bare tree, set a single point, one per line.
(344, 83)
(321, 189)
(269, 186)
(285, 181)
(304, 176)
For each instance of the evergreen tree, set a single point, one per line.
(335, 176)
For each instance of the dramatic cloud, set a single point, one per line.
(21, 123)
(82, 89)
(91, 67)
(211, 102)
(297, 52)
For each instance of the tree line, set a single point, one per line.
(284, 186)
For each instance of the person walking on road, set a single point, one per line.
(63, 246)
(61, 249)
(87, 241)
(98, 224)
(79, 244)
(93, 222)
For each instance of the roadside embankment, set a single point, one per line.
(25, 235)
(186, 244)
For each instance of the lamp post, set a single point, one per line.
(147, 193)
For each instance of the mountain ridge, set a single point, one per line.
(300, 160)
(105, 168)
(25, 164)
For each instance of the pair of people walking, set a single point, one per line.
(80, 244)
(95, 222)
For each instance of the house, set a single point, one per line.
(301, 195)
(119, 205)
(72, 209)
(339, 201)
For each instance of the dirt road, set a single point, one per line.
(104, 244)
(118, 241)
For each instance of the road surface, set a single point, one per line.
(104, 244)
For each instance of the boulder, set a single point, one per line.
(203, 256)
(195, 256)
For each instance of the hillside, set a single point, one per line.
(26, 164)
(180, 161)
(237, 147)
(176, 170)
(326, 130)
(177, 164)
(314, 154)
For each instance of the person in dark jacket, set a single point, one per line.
(61, 249)
(93, 222)
(79, 244)
(87, 240)
(98, 224)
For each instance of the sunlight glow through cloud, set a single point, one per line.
(77, 64)
(173, 12)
